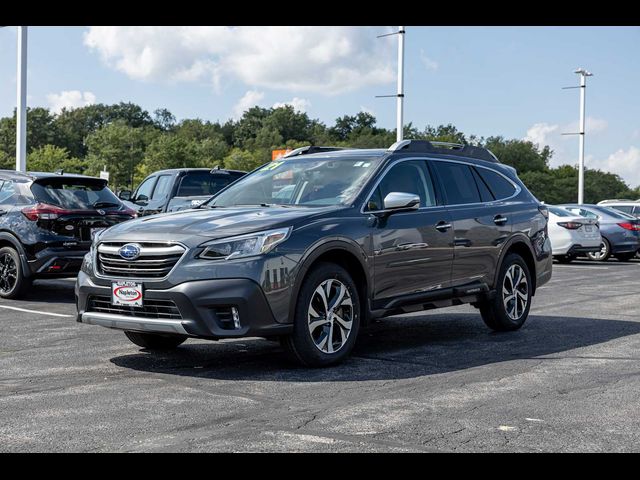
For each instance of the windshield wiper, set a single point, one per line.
(105, 204)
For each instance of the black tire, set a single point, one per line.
(494, 312)
(625, 257)
(309, 346)
(155, 341)
(13, 282)
(565, 258)
(604, 253)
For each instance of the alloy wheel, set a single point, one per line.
(8, 273)
(515, 292)
(330, 316)
(604, 250)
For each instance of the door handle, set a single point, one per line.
(408, 246)
(443, 226)
(500, 220)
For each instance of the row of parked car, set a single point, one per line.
(306, 249)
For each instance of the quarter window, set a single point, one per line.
(485, 193)
(500, 186)
(458, 182)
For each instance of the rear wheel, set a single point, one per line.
(13, 282)
(327, 318)
(625, 257)
(155, 341)
(509, 309)
(604, 253)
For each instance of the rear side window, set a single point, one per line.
(7, 189)
(624, 208)
(80, 194)
(201, 184)
(485, 193)
(458, 182)
(500, 186)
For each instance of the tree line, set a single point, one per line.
(131, 143)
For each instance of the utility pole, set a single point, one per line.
(583, 88)
(400, 95)
(21, 111)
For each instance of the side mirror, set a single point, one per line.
(124, 195)
(142, 199)
(401, 201)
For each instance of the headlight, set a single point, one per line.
(244, 245)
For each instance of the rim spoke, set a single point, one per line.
(343, 323)
(342, 290)
(330, 339)
(323, 296)
(334, 297)
(316, 324)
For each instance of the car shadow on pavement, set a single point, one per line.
(60, 290)
(395, 348)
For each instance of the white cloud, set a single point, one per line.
(592, 126)
(367, 110)
(541, 133)
(625, 163)
(298, 104)
(428, 62)
(329, 60)
(70, 99)
(250, 99)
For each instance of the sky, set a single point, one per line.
(485, 80)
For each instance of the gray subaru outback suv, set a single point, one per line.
(311, 248)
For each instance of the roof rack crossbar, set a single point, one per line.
(309, 149)
(446, 148)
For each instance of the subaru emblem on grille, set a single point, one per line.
(101, 212)
(130, 251)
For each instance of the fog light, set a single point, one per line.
(236, 317)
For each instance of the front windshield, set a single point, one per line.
(310, 182)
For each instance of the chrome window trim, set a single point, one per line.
(517, 187)
(138, 279)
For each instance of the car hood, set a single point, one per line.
(194, 226)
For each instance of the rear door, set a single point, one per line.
(413, 249)
(481, 223)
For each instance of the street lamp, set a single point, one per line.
(400, 95)
(21, 111)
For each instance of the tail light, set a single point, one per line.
(570, 225)
(126, 211)
(630, 226)
(43, 211)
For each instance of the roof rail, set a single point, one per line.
(616, 200)
(309, 149)
(444, 148)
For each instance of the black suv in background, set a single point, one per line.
(46, 224)
(177, 189)
(312, 247)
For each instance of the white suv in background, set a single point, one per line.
(572, 234)
(629, 207)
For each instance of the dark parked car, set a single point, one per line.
(356, 235)
(620, 232)
(46, 224)
(177, 189)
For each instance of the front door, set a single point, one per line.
(412, 249)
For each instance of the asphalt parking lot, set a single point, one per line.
(436, 381)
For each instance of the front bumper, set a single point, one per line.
(202, 305)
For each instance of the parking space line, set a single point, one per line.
(35, 311)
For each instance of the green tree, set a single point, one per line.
(243, 160)
(524, 156)
(120, 148)
(50, 158)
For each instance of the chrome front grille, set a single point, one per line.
(153, 308)
(156, 260)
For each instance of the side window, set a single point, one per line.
(146, 188)
(587, 213)
(7, 189)
(636, 210)
(500, 186)
(162, 187)
(485, 193)
(458, 182)
(406, 177)
(624, 208)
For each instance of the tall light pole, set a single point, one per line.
(21, 111)
(400, 95)
(583, 89)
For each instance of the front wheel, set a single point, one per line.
(604, 253)
(154, 341)
(327, 318)
(509, 309)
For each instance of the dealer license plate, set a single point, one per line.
(126, 293)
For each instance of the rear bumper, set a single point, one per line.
(626, 247)
(202, 306)
(56, 263)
